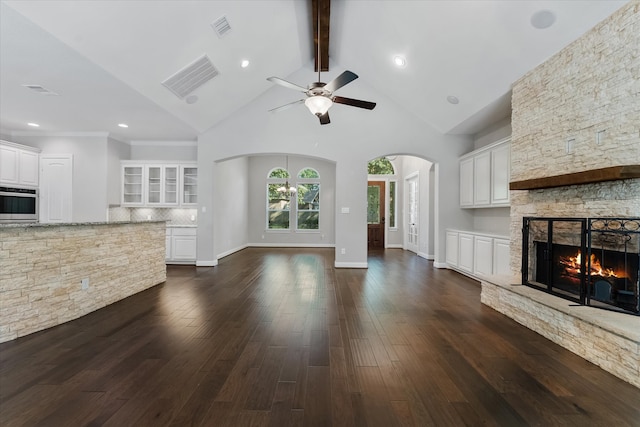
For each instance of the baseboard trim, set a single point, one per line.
(232, 251)
(440, 265)
(351, 265)
(395, 246)
(211, 263)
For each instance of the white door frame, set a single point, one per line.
(415, 176)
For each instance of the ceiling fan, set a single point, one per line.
(320, 95)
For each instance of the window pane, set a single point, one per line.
(278, 220)
(373, 204)
(380, 166)
(279, 173)
(308, 220)
(392, 204)
(308, 173)
(278, 205)
(308, 206)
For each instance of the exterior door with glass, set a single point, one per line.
(375, 214)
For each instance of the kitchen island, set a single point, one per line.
(53, 273)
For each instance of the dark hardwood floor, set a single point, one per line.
(279, 337)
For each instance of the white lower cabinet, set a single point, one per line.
(465, 254)
(451, 254)
(501, 257)
(181, 245)
(477, 255)
(483, 256)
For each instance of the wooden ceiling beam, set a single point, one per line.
(324, 7)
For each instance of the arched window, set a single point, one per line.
(278, 199)
(380, 166)
(308, 207)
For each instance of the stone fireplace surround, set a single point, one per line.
(579, 111)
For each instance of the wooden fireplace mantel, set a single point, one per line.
(612, 173)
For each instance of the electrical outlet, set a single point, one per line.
(343, 251)
(85, 284)
(569, 146)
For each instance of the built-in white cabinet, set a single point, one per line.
(465, 252)
(466, 182)
(162, 185)
(483, 256)
(189, 176)
(477, 254)
(181, 245)
(451, 253)
(19, 164)
(158, 185)
(484, 176)
(501, 257)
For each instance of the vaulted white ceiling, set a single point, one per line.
(106, 59)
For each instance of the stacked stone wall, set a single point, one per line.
(590, 86)
(42, 268)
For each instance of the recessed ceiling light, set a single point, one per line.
(123, 125)
(453, 99)
(191, 99)
(35, 125)
(244, 63)
(399, 61)
(543, 19)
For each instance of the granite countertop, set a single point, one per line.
(67, 224)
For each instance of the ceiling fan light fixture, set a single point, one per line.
(318, 104)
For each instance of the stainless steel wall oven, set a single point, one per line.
(18, 204)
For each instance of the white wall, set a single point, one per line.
(90, 173)
(116, 151)
(171, 151)
(259, 168)
(492, 133)
(231, 212)
(353, 138)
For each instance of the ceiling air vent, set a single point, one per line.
(191, 77)
(222, 27)
(41, 90)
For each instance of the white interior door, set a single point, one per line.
(411, 213)
(56, 180)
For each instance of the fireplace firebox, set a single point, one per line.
(592, 261)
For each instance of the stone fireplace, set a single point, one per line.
(575, 119)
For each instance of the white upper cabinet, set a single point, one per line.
(189, 176)
(500, 174)
(484, 176)
(19, 165)
(160, 185)
(466, 182)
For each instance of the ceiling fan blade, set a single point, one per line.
(354, 102)
(288, 85)
(341, 80)
(324, 118)
(285, 106)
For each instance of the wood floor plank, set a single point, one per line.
(279, 337)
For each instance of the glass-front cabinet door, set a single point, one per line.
(132, 185)
(171, 185)
(189, 185)
(162, 185)
(154, 184)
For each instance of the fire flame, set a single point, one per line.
(572, 266)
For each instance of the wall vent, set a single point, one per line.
(191, 77)
(222, 27)
(41, 90)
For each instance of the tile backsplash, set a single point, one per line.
(174, 216)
